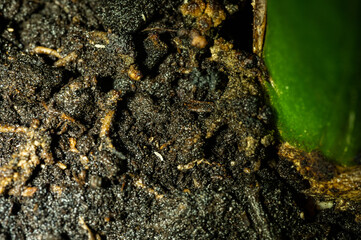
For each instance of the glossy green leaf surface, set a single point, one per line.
(312, 50)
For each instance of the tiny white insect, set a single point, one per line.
(159, 156)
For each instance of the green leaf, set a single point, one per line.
(312, 50)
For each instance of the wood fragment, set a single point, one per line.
(86, 228)
(20, 167)
(47, 51)
(65, 60)
(259, 25)
(140, 184)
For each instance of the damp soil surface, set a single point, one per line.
(144, 119)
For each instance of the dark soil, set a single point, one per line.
(149, 125)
